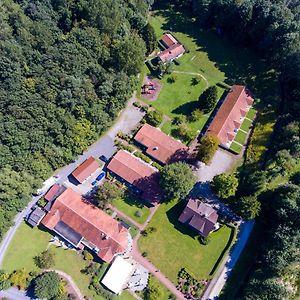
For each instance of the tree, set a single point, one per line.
(106, 193)
(149, 37)
(47, 285)
(45, 260)
(87, 255)
(248, 207)
(208, 99)
(225, 185)
(180, 119)
(177, 180)
(207, 148)
(185, 133)
(254, 182)
(154, 117)
(196, 115)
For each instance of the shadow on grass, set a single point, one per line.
(173, 215)
(240, 65)
(186, 108)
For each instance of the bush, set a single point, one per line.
(87, 255)
(42, 202)
(195, 81)
(196, 115)
(204, 240)
(177, 62)
(185, 133)
(172, 79)
(145, 254)
(156, 165)
(207, 148)
(179, 120)
(208, 99)
(4, 281)
(154, 117)
(138, 213)
(45, 260)
(225, 185)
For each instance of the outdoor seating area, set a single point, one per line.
(150, 88)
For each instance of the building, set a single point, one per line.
(142, 177)
(199, 216)
(169, 54)
(52, 194)
(81, 224)
(168, 40)
(160, 146)
(230, 115)
(118, 274)
(35, 217)
(86, 169)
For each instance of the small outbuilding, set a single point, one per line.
(86, 169)
(118, 275)
(35, 217)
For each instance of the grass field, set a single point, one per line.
(246, 125)
(130, 206)
(240, 137)
(29, 242)
(173, 246)
(236, 147)
(251, 113)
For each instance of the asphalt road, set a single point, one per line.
(217, 283)
(127, 121)
(15, 294)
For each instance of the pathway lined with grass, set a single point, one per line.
(195, 74)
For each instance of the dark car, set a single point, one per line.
(104, 158)
(100, 176)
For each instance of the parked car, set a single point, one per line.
(104, 158)
(94, 182)
(100, 176)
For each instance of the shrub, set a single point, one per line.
(196, 115)
(179, 120)
(42, 202)
(177, 62)
(138, 213)
(195, 81)
(142, 156)
(156, 165)
(45, 260)
(172, 79)
(225, 185)
(145, 254)
(87, 255)
(185, 133)
(154, 117)
(4, 280)
(204, 240)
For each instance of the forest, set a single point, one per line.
(67, 68)
(270, 28)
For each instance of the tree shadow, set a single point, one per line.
(186, 108)
(173, 215)
(179, 155)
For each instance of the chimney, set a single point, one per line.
(155, 148)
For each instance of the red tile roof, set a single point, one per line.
(90, 222)
(159, 145)
(86, 169)
(53, 192)
(227, 119)
(136, 172)
(171, 53)
(200, 216)
(168, 40)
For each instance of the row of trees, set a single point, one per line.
(66, 69)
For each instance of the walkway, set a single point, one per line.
(148, 265)
(124, 216)
(195, 74)
(217, 283)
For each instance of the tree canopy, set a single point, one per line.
(208, 99)
(177, 180)
(46, 286)
(225, 185)
(66, 70)
(207, 148)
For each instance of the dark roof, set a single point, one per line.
(160, 146)
(86, 169)
(200, 216)
(35, 216)
(68, 233)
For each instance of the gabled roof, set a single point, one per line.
(86, 169)
(35, 216)
(234, 107)
(55, 190)
(200, 216)
(168, 39)
(136, 172)
(160, 146)
(89, 222)
(171, 52)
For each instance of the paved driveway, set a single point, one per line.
(222, 162)
(14, 294)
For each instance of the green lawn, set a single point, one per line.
(240, 137)
(236, 147)
(251, 113)
(246, 125)
(130, 206)
(174, 246)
